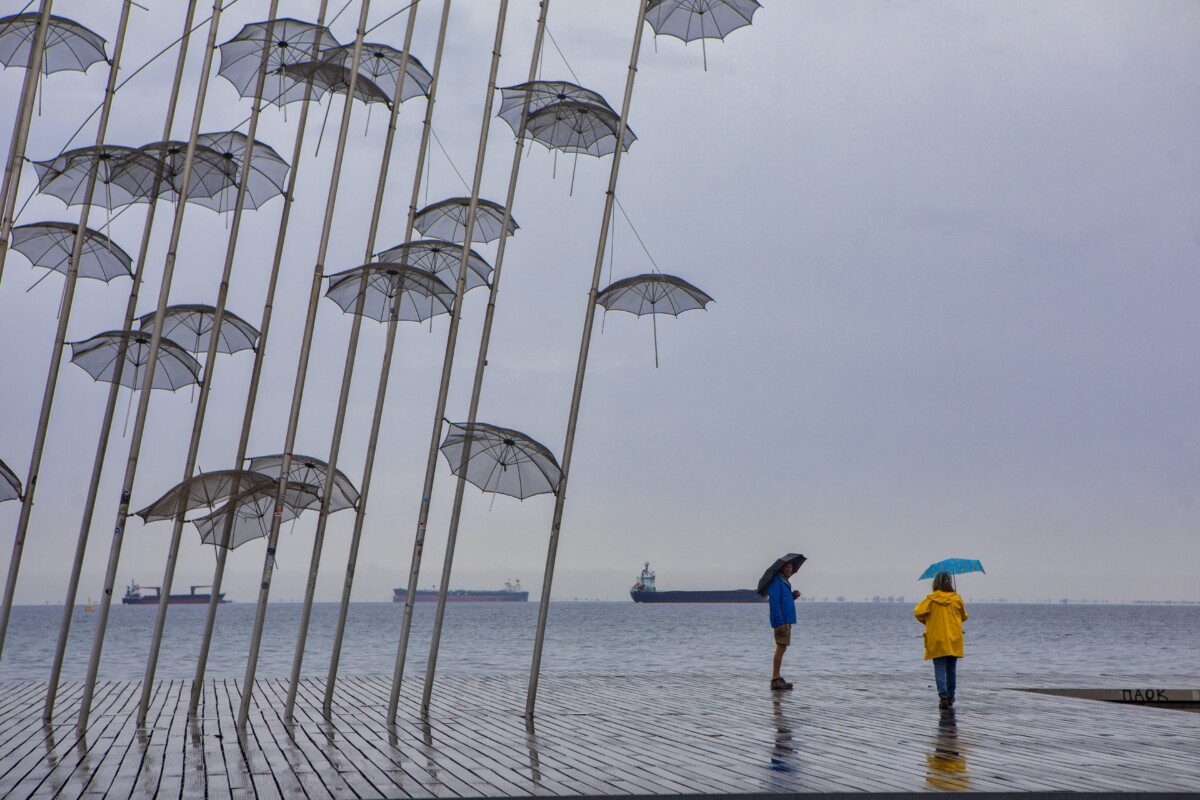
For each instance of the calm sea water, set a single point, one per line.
(497, 638)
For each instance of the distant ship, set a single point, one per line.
(511, 593)
(134, 597)
(644, 591)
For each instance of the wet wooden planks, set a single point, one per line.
(639, 734)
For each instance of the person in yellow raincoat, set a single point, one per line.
(943, 613)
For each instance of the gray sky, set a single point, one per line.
(952, 248)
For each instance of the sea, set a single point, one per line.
(617, 638)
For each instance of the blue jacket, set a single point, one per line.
(779, 598)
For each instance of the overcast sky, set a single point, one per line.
(953, 251)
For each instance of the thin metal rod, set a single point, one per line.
(581, 368)
(210, 365)
(447, 367)
(139, 425)
(480, 365)
(260, 351)
(348, 373)
(60, 340)
(385, 370)
(301, 372)
(114, 389)
(20, 137)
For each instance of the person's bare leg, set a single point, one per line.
(778, 660)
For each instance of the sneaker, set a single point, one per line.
(780, 683)
(943, 701)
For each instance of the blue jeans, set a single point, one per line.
(943, 674)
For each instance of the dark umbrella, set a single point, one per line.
(795, 559)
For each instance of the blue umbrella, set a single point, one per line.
(955, 566)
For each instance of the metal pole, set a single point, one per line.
(113, 391)
(139, 425)
(480, 364)
(20, 137)
(347, 375)
(385, 370)
(588, 320)
(210, 365)
(255, 374)
(301, 371)
(447, 366)
(60, 339)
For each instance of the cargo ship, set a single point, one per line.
(134, 597)
(644, 591)
(511, 593)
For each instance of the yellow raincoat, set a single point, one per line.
(942, 614)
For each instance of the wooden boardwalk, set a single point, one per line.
(636, 734)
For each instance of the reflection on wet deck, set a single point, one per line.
(638, 734)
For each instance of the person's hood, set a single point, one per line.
(944, 598)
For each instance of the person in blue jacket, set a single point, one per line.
(781, 599)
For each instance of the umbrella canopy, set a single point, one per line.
(268, 171)
(306, 470)
(652, 294)
(541, 94)
(421, 295)
(99, 356)
(955, 566)
(577, 127)
(124, 175)
(211, 173)
(326, 77)
(190, 326)
(10, 484)
(699, 19)
(292, 41)
(501, 460)
(795, 559)
(448, 220)
(206, 490)
(441, 258)
(381, 63)
(49, 245)
(252, 512)
(69, 45)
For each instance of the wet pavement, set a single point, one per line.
(600, 735)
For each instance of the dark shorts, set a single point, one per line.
(783, 635)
